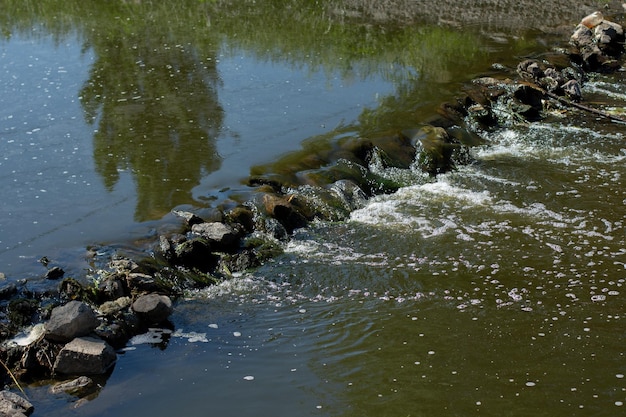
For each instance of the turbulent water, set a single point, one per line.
(495, 289)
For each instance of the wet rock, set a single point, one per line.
(609, 37)
(112, 286)
(274, 228)
(530, 70)
(111, 308)
(485, 90)
(527, 101)
(77, 387)
(117, 328)
(353, 149)
(436, 150)
(54, 273)
(21, 310)
(13, 405)
(281, 208)
(189, 217)
(393, 150)
(195, 253)
(349, 193)
(552, 80)
(572, 90)
(220, 235)
(244, 217)
(597, 43)
(7, 290)
(36, 357)
(592, 20)
(238, 262)
(124, 265)
(263, 246)
(141, 282)
(85, 356)
(153, 308)
(165, 249)
(71, 289)
(71, 320)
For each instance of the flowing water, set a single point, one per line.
(496, 289)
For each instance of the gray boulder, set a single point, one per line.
(71, 320)
(219, 233)
(153, 308)
(13, 405)
(85, 356)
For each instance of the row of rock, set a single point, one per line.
(81, 327)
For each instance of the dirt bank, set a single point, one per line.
(487, 14)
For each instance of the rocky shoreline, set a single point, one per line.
(74, 334)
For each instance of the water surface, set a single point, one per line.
(497, 289)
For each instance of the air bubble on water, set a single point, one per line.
(213, 326)
(530, 384)
(248, 378)
(619, 376)
(237, 334)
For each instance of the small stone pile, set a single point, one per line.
(598, 43)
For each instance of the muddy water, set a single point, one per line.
(497, 289)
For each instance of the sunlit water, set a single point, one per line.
(494, 290)
(497, 289)
(55, 202)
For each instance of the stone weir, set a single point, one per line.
(74, 334)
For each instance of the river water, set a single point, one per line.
(496, 289)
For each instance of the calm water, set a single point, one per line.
(497, 289)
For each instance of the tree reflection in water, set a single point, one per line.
(155, 105)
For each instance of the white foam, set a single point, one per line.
(192, 337)
(29, 336)
(392, 210)
(152, 336)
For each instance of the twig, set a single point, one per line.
(13, 378)
(585, 108)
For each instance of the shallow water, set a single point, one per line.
(497, 289)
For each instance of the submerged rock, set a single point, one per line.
(76, 386)
(13, 405)
(437, 152)
(55, 273)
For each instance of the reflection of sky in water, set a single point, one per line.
(52, 196)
